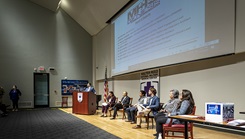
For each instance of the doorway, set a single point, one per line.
(41, 90)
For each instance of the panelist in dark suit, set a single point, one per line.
(89, 88)
(124, 103)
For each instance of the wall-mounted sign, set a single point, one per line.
(69, 86)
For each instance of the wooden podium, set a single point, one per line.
(87, 104)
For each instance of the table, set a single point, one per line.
(200, 119)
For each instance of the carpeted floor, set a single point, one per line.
(48, 124)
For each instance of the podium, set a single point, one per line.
(83, 103)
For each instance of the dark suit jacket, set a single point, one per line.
(125, 102)
(91, 89)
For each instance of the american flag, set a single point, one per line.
(106, 88)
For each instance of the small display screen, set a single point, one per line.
(213, 109)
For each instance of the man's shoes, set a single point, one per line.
(102, 116)
(155, 134)
(137, 127)
(128, 121)
(112, 118)
(133, 122)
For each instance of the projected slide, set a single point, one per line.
(155, 30)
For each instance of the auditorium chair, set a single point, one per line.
(150, 116)
(110, 109)
(178, 128)
(64, 101)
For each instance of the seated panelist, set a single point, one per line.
(124, 103)
(110, 102)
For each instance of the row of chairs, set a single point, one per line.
(180, 128)
(167, 127)
(122, 110)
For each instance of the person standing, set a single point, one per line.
(14, 96)
(90, 88)
(1, 94)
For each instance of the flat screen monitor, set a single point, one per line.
(213, 109)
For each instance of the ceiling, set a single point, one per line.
(92, 15)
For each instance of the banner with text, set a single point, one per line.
(149, 79)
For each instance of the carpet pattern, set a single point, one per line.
(48, 124)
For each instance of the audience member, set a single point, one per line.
(124, 103)
(110, 102)
(1, 94)
(3, 111)
(14, 96)
(132, 110)
(185, 106)
(151, 106)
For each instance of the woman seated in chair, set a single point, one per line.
(171, 105)
(110, 102)
(131, 111)
(185, 106)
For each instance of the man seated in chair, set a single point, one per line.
(124, 103)
(151, 106)
(132, 110)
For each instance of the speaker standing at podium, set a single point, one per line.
(89, 88)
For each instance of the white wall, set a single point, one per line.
(119, 86)
(33, 36)
(222, 84)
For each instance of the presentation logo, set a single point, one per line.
(141, 9)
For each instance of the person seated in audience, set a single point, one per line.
(151, 106)
(185, 106)
(3, 110)
(171, 105)
(132, 110)
(1, 94)
(110, 102)
(123, 103)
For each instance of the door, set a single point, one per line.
(41, 90)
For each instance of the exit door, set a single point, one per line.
(41, 90)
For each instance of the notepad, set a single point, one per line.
(236, 122)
